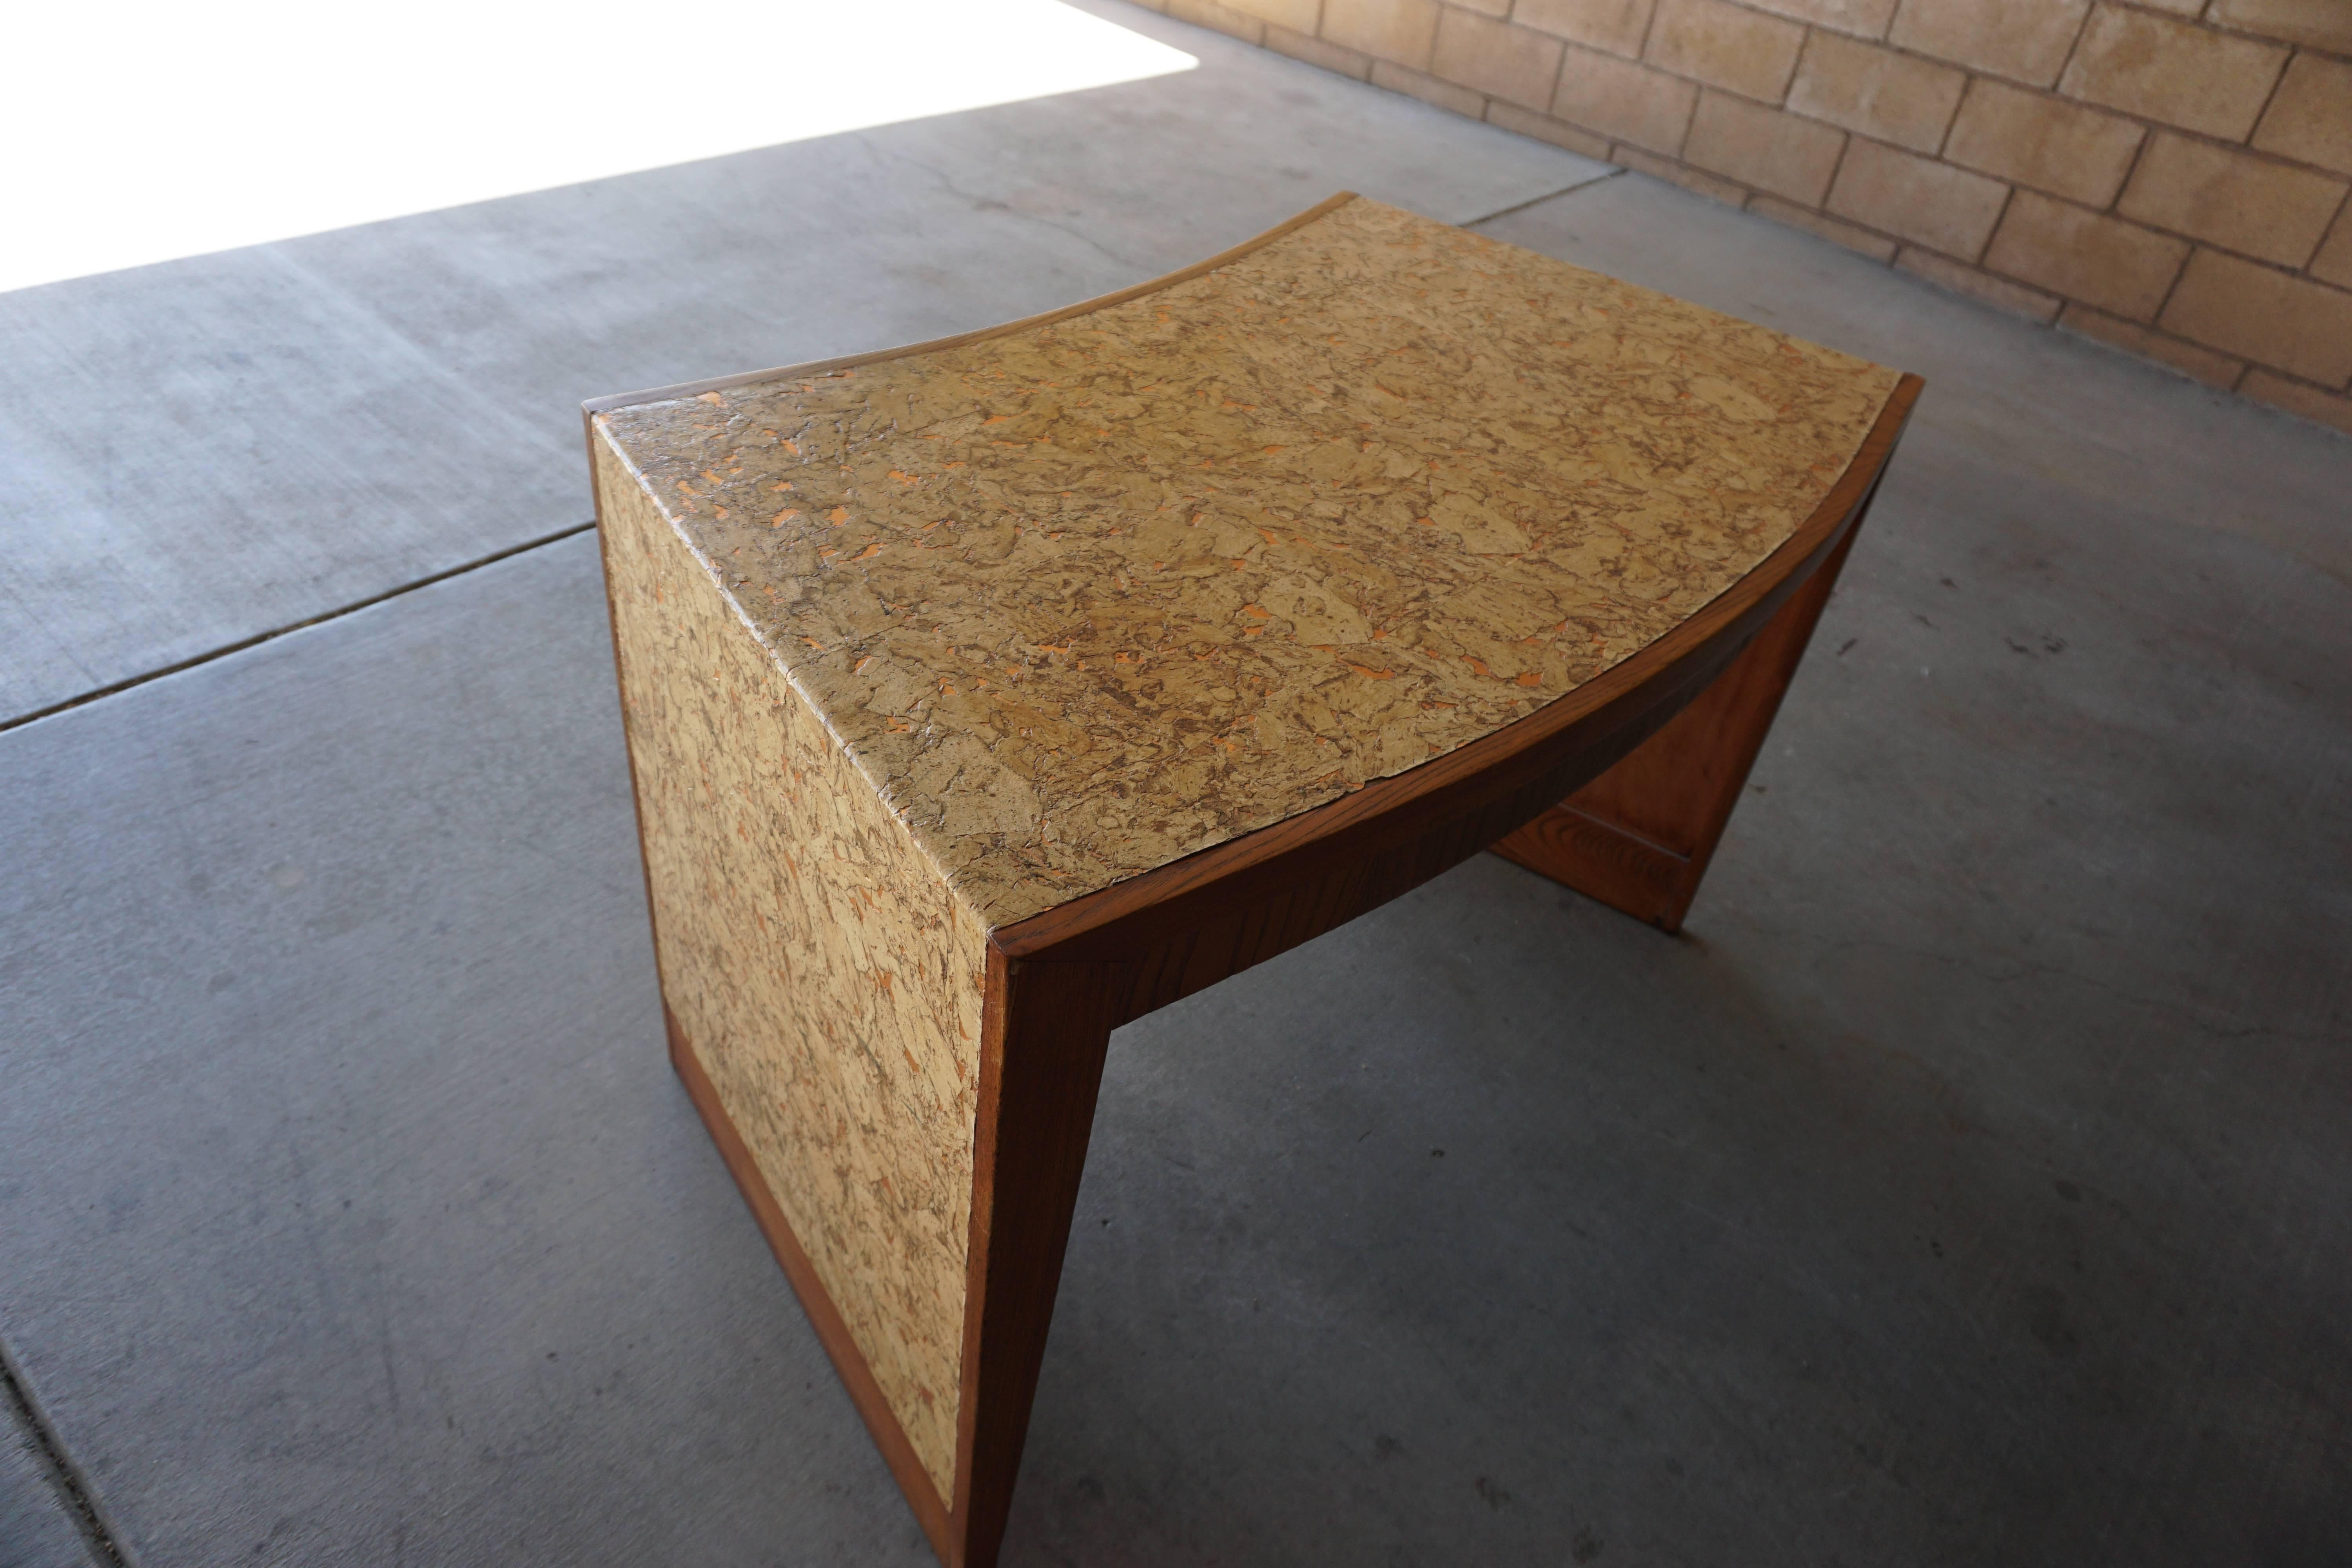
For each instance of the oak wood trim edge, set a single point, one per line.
(915, 1483)
(621, 690)
(1588, 842)
(1045, 1035)
(922, 1496)
(1754, 597)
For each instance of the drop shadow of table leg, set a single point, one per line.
(1639, 838)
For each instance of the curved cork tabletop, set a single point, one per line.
(984, 694)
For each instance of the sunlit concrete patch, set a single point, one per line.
(199, 451)
(168, 131)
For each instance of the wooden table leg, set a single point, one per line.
(906, 1092)
(906, 1109)
(1639, 838)
(1043, 1040)
(1046, 1032)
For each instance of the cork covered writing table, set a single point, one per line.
(983, 695)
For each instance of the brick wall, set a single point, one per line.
(2166, 175)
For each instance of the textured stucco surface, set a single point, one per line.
(826, 979)
(1088, 598)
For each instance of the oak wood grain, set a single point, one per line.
(1042, 1042)
(1640, 837)
(1498, 781)
(1060, 982)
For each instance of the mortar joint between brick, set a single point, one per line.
(2173, 288)
(2206, 24)
(1837, 167)
(2155, 127)
(1971, 72)
(2298, 380)
(1959, 107)
(1991, 272)
(2051, 90)
(2131, 169)
(2074, 45)
(1999, 218)
(2269, 98)
(2199, 242)
(2343, 208)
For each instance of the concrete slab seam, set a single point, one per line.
(274, 633)
(1547, 196)
(63, 1477)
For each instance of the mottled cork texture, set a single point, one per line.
(1095, 595)
(828, 979)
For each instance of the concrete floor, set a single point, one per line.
(327, 419)
(1968, 1185)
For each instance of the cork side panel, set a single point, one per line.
(826, 977)
(1088, 598)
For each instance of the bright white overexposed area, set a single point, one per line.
(142, 131)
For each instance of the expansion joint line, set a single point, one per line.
(64, 1480)
(1532, 201)
(55, 709)
(258, 638)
